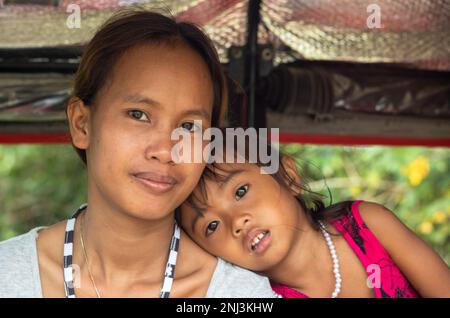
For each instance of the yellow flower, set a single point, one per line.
(417, 170)
(439, 217)
(415, 178)
(426, 227)
(355, 190)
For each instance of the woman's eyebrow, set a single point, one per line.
(138, 98)
(141, 99)
(197, 112)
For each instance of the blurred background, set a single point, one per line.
(360, 91)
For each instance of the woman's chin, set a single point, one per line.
(152, 214)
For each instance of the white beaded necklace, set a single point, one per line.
(332, 248)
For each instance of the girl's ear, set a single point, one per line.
(291, 177)
(78, 115)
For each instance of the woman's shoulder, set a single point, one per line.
(231, 281)
(19, 267)
(18, 249)
(49, 238)
(19, 246)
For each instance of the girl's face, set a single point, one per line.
(152, 90)
(248, 218)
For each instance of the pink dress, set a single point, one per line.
(391, 284)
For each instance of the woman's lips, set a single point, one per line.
(261, 243)
(156, 183)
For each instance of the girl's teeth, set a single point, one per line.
(257, 239)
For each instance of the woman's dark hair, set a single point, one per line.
(311, 202)
(136, 26)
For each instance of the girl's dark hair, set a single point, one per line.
(135, 26)
(311, 202)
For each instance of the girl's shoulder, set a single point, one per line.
(365, 213)
(19, 266)
(373, 221)
(373, 215)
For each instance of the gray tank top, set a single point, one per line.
(19, 273)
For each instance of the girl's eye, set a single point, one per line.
(137, 114)
(241, 191)
(189, 126)
(211, 227)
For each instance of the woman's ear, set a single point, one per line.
(78, 115)
(291, 177)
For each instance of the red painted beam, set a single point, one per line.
(362, 140)
(37, 138)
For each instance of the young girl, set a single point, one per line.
(141, 76)
(351, 249)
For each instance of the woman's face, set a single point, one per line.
(249, 219)
(152, 90)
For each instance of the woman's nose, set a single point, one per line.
(160, 148)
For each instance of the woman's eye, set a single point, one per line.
(241, 191)
(139, 115)
(211, 227)
(189, 126)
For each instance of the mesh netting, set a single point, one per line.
(412, 32)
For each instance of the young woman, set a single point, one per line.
(271, 225)
(141, 76)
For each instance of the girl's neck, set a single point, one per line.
(304, 261)
(121, 246)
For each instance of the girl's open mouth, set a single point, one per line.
(258, 240)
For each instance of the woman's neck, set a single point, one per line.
(304, 261)
(121, 247)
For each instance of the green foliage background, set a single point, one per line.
(43, 184)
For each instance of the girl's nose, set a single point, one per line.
(240, 224)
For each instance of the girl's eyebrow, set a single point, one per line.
(230, 176)
(195, 220)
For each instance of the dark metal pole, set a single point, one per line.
(252, 56)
